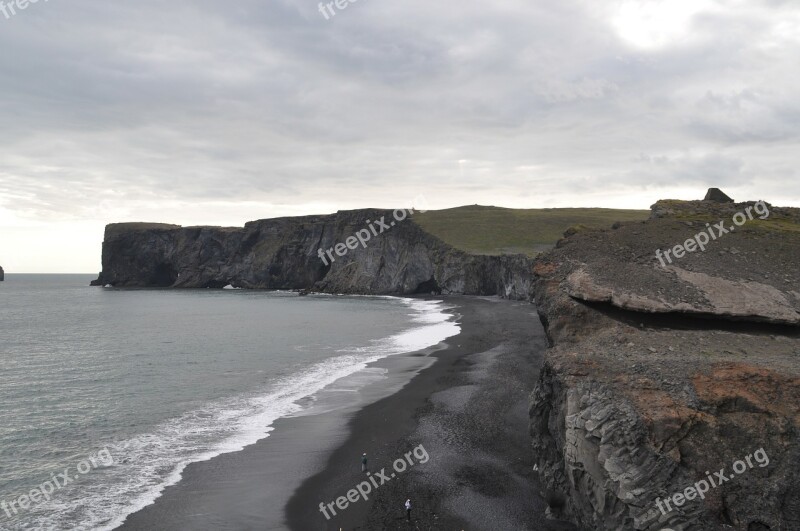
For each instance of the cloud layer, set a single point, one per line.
(213, 112)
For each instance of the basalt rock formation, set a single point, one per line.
(283, 253)
(715, 194)
(661, 375)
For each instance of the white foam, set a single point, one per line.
(145, 465)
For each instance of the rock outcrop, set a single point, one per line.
(715, 194)
(283, 253)
(661, 375)
(2, 274)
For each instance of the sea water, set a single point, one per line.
(106, 395)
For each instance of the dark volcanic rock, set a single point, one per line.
(282, 253)
(2, 274)
(749, 274)
(717, 195)
(660, 374)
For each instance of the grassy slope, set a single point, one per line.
(787, 219)
(492, 230)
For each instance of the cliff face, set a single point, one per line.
(283, 253)
(661, 375)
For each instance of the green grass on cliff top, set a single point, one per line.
(493, 230)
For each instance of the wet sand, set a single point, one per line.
(469, 411)
(465, 402)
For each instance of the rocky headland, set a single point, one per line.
(660, 375)
(283, 253)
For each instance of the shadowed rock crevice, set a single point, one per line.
(429, 286)
(164, 275)
(699, 321)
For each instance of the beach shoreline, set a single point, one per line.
(280, 482)
(248, 487)
(469, 411)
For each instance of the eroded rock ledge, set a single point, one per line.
(629, 411)
(282, 253)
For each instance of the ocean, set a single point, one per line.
(106, 395)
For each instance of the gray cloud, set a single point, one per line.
(107, 108)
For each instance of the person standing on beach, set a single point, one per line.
(364, 463)
(408, 509)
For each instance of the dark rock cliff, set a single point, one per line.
(2, 274)
(282, 253)
(661, 375)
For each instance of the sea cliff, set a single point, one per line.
(283, 253)
(660, 375)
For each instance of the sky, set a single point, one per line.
(217, 113)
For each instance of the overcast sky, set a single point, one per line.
(212, 112)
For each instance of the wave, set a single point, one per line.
(146, 464)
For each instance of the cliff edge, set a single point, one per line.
(398, 257)
(670, 397)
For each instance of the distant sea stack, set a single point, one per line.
(2, 274)
(284, 254)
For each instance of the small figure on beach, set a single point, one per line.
(364, 463)
(408, 509)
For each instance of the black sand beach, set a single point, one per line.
(470, 413)
(466, 404)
